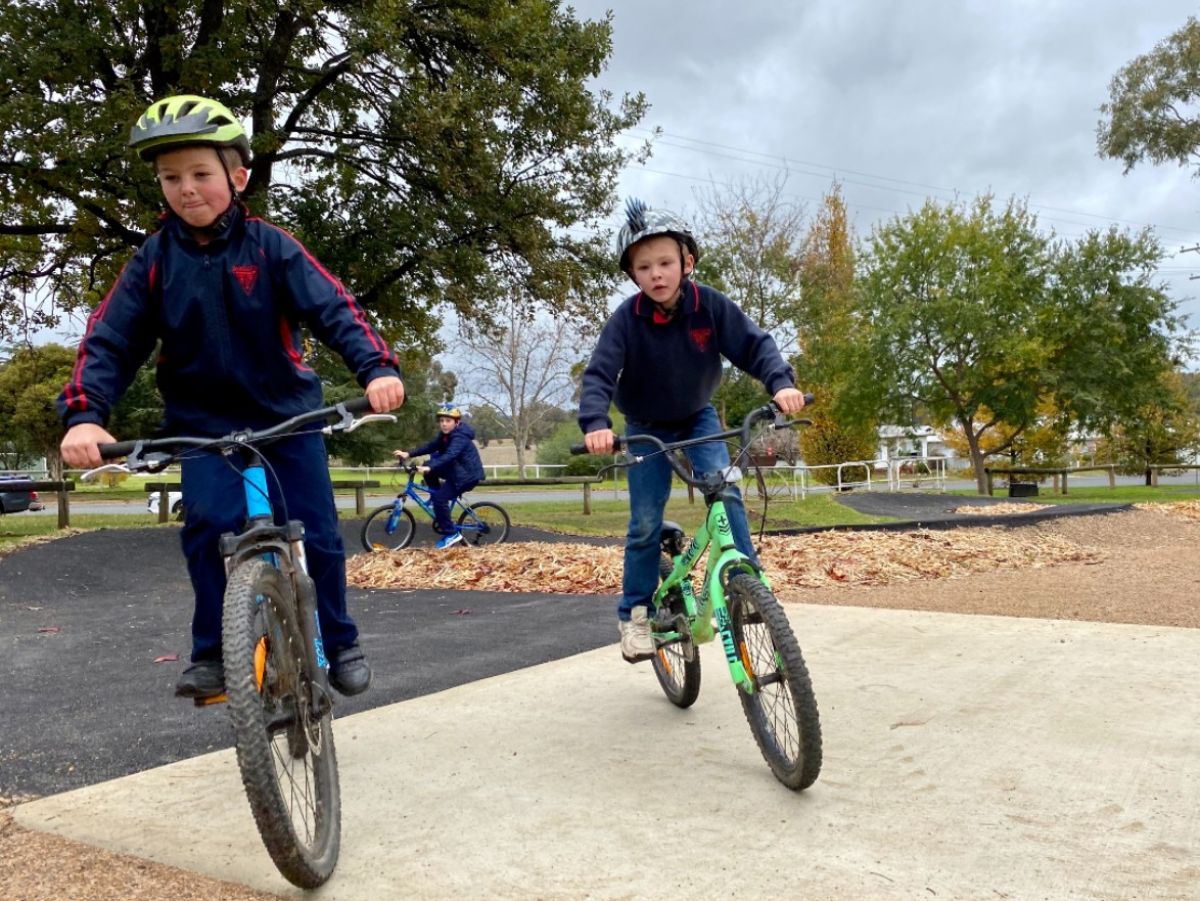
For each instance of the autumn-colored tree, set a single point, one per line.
(832, 344)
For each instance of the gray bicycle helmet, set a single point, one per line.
(642, 222)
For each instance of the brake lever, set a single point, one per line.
(348, 423)
(92, 474)
(353, 423)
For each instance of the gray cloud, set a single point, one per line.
(902, 100)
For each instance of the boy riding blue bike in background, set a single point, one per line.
(659, 356)
(454, 468)
(224, 295)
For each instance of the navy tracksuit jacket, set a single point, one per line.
(227, 318)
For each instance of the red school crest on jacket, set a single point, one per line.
(700, 337)
(246, 276)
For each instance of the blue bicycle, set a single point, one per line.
(392, 526)
(276, 673)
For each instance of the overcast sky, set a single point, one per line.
(900, 101)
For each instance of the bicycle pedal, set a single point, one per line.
(211, 699)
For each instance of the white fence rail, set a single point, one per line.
(871, 475)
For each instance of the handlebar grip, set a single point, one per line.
(116, 449)
(360, 404)
(618, 440)
(809, 399)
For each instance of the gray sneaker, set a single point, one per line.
(636, 642)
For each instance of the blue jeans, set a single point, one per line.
(212, 492)
(649, 489)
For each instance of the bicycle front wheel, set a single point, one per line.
(284, 748)
(781, 709)
(484, 523)
(676, 662)
(388, 529)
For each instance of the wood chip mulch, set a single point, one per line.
(796, 561)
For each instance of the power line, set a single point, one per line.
(786, 163)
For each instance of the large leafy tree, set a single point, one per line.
(955, 295)
(1151, 111)
(980, 320)
(426, 152)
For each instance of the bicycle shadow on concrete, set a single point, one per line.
(96, 630)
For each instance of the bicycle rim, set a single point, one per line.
(375, 531)
(286, 755)
(782, 710)
(678, 676)
(484, 523)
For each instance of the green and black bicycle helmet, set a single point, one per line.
(186, 120)
(642, 222)
(448, 409)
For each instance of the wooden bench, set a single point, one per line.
(359, 485)
(586, 481)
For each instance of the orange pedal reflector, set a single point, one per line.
(215, 699)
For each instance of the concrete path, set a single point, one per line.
(967, 757)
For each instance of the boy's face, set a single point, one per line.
(656, 266)
(193, 182)
(447, 424)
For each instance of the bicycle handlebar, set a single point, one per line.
(344, 411)
(769, 410)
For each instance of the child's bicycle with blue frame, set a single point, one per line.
(737, 603)
(276, 672)
(392, 526)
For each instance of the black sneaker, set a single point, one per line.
(349, 671)
(205, 679)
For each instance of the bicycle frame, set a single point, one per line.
(723, 560)
(413, 491)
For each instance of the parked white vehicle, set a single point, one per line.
(174, 498)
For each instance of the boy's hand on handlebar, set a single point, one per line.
(385, 393)
(80, 445)
(789, 400)
(599, 441)
(400, 454)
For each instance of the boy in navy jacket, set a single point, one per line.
(223, 295)
(659, 355)
(454, 468)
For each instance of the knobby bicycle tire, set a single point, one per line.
(782, 710)
(375, 536)
(287, 759)
(485, 513)
(678, 675)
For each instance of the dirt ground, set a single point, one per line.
(1145, 570)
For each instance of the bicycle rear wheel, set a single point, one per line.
(484, 523)
(384, 532)
(284, 749)
(781, 710)
(677, 662)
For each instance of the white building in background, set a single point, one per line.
(907, 442)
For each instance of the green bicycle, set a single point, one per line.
(737, 603)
